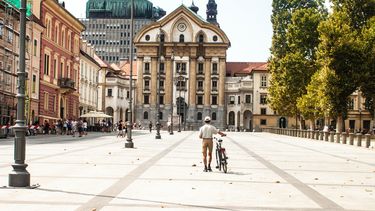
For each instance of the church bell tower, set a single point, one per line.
(212, 12)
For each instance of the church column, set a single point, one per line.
(191, 114)
(221, 110)
(168, 83)
(207, 88)
(154, 81)
(138, 108)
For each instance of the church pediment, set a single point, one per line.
(182, 24)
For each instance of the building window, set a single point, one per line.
(214, 38)
(147, 68)
(239, 100)
(248, 99)
(161, 84)
(200, 68)
(181, 68)
(162, 38)
(199, 116)
(162, 67)
(147, 37)
(46, 100)
(146, 99)
(351, 104)
(35, 47)
(231, 100)
(161, 115)
(1, 30)
(161, 99)
(145, 115)
(263, 82)
(182, 38)
(214, 100)
(55, 68)
(127, 94)
(147, 85)
(200, 100)
(200, 85)
(263, 99)
(263, 111)
(214, 68)
(109, 92)
(201, 38)
(54, 103)
(214, 85)
(231, 118)
(46, 64)
(34, 84)
(263, 122)
(213, 116)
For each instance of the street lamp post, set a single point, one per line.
(179, 102)
(20, 177)
(171, 129)
(161, 58)
(129, 141)
(360, 120)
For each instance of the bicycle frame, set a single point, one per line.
(221, 158)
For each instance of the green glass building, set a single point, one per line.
(108, 25)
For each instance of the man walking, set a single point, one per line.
(206, 132)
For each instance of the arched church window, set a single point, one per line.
(199, 116)
(147, 37)
(145, 115)
(215, 38)
(201, 38)
(162, 38)
(213, 116)
(182, 38)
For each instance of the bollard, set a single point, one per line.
(337, 137)
(344, 136)
(359, 139)
(308, 134)
(321, 135)
(351, 138)
(368, 140)
(332, 137)
(313, 134)
(326, 134)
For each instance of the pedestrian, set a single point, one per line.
(119, 129)
(74, 128)
(70, 127)
(65, 127)
(46, 127)
(80, 127)
(150, 126)
(206, 133)
(85, 126)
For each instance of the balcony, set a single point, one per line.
(67, 85)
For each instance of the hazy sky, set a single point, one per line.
(246, 22)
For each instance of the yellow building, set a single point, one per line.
(190, 55)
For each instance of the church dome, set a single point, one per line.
(121, 9)
(194, 8)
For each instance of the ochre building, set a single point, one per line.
(183, 56)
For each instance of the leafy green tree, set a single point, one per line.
(294, 48)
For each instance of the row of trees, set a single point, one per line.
(320, 58)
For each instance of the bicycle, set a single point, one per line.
(221, 156)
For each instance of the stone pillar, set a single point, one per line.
(207, 84)
(139, 98)
(344, 137)
(222, 73)
(154, 81)
(332, 137)
(326, 134)
(309, 134)
(368, 140)
(321, 135)
(168, 83)
(192, 83)
(351, 138)
(337, 137)
(359, 139)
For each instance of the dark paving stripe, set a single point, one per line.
(103, 198)
(324, 153)
(318, 198)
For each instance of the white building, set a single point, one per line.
(89, 74)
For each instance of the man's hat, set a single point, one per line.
(207, 119)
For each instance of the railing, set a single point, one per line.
(66, 83)
(344, 138)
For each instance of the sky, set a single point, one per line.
(247, 23)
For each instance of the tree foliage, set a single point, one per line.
(294, 48)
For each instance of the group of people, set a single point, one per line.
(66, 127)
(122, 129)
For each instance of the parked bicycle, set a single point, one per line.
(221, 156)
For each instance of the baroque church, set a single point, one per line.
(181, 65)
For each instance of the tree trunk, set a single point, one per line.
(312, 124)
(339, 124)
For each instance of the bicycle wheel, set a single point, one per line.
(218, 160)
(224, 162)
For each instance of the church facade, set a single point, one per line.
(181, 63)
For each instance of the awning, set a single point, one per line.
(95, 114)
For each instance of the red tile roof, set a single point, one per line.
(125, 68)
(245, 68)
(102, 63)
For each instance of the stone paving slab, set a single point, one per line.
(266, 172)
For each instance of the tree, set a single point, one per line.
(294, 47)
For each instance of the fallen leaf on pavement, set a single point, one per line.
(194, 165)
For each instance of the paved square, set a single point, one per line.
(266, 172)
